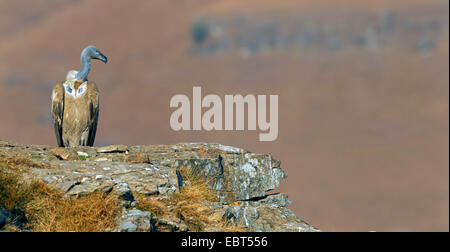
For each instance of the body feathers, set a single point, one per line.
(75, 117)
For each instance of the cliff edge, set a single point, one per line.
(180, 187)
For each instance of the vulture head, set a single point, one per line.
(89, 53)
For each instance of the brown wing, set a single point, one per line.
(94, 108)
(58, 111)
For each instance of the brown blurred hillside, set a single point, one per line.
(363, 90)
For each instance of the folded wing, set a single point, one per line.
(58, 111)
(94, 108)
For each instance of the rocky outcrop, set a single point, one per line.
(240, 179)
(314, 32)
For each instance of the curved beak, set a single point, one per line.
(98, 55)
(103, 58)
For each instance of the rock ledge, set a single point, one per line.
(240, 178)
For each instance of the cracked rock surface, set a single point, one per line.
(240, 178)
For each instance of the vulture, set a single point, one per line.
(75, 104)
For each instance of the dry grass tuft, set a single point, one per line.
(12, 193)
(157, 207)
(20, 163)
(47, 210)
(93, 213)
(189, 205)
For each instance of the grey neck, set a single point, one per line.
(85, 67)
